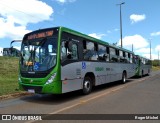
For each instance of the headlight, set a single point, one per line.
(50, 80)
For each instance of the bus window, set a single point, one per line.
(113, 56)
(63, 50)
(107, 50)
(117, 54)
(124, 55)
(129, 55)
(102, 53)
(120, 53)
(131, 58)
(142, 60)
(74, 50)
(126, 58)
(69, 50)
(121, 56)
(89, 51)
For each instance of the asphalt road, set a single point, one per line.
(137, 96)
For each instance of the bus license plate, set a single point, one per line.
(31, 90)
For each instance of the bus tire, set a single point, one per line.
(142, 74)
(87, 85)
(148, 74)
(124, 76)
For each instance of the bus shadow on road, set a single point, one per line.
(139, 77)
(52, 99)
(55, 99)
(109, 85)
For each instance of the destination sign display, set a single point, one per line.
(40, 35)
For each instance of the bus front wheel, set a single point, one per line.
(87, 85)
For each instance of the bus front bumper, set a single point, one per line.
(41, 89)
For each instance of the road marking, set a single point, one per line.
(87, 100)
(95, 97)
(82, 102)
(103, 94)
(66, 108)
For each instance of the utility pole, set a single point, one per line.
(121, 22)
(150, 51)
(158, 58)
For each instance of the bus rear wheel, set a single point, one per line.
(87, 85)
(124, 76)
(142, 74)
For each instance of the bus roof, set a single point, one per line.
(84, 36)
(123, 49)
(92, 38)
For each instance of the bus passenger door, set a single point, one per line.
(70, 65)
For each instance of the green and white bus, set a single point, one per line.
(144, 66)
(59, 60)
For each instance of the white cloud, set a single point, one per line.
(144, 50)
(95, 35)
(153, 56)
(136, 18)
(157, 48)
(65, 1)
(137, 40)
(140, 46)
(155, 33)
(116, 29)
(15, 15)
(1, 49)
(109, 31)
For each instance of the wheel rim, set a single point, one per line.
(124, 78)
(87, 85)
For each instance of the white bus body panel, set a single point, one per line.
(72, 74)
(145, 68)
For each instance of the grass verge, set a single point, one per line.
(155, 68)
(8, 75)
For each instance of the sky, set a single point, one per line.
(96, 18)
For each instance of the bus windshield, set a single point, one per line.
(38, 54)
